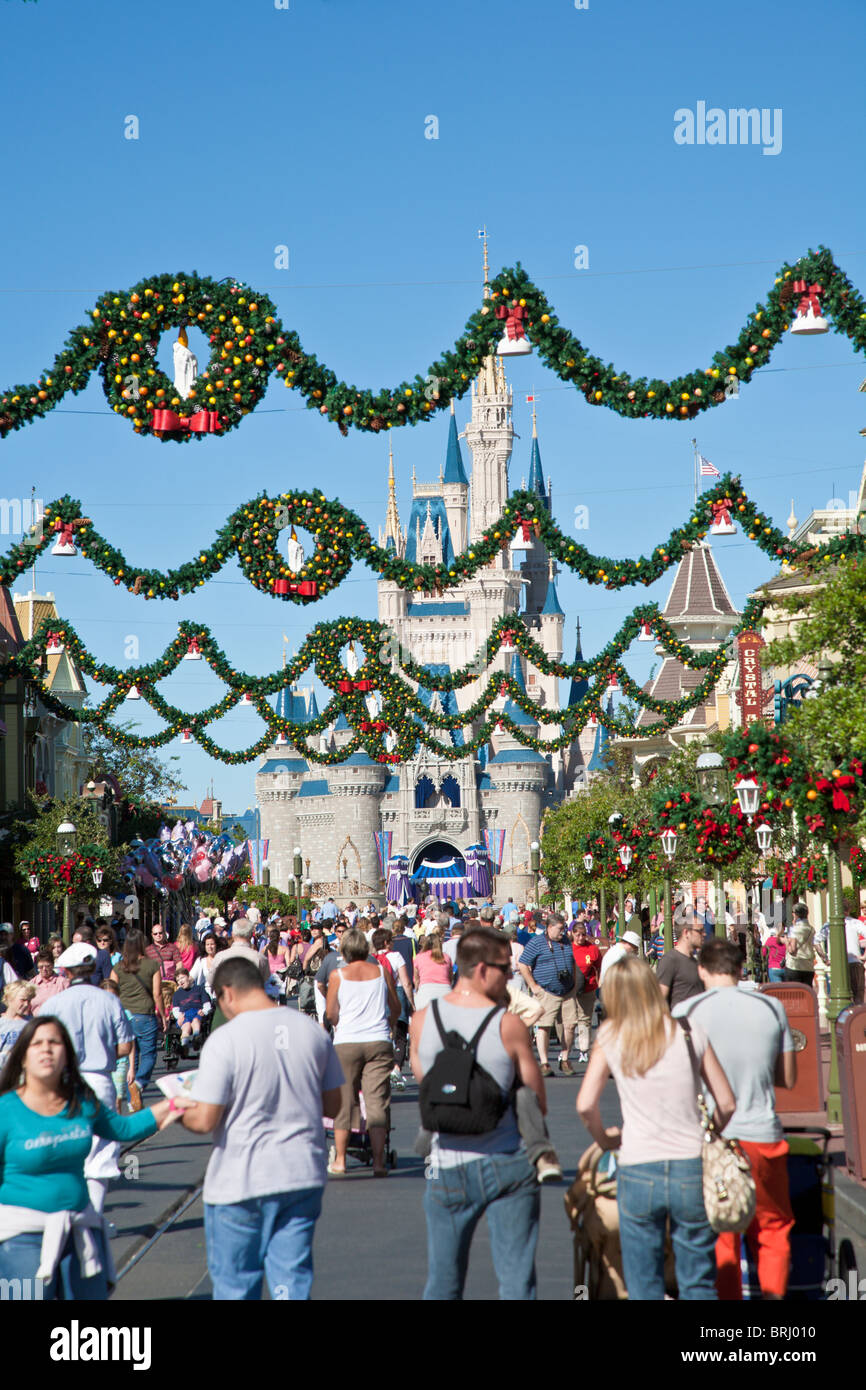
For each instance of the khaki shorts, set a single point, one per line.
(557, 1008)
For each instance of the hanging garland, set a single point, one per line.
(249, 343)
(251, 534)
(715, 836)
(828, 805)
(803, 874)
(404, 719)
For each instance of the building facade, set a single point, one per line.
(434, 807)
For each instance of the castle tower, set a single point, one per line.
(552, 622)
(534, 568)
(391, 598)
(455, 489)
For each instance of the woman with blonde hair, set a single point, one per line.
(432, 970)
(186, 945)
(17, 998)
(659, 1164)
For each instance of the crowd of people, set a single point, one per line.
(325, 1013)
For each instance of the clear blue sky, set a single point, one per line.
(305, 127)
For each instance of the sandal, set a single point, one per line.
(336, 1172)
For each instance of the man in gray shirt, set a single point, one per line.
(264, 1082)
(752, 1039)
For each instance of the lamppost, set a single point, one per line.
(297, 870)
(669, 845)
(535, 865)
(748, 795)
(614, 821)
(840, 987)
(715, 788)
(34, 884)
(66, 837)
(266, 883)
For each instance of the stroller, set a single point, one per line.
(173, 1044)
(359, 1140)
(590, 1205)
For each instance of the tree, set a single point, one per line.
(832, 726)
(141, 774)
(37, 840)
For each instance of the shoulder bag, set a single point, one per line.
(729, 1188)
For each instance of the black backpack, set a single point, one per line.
(458, 1096)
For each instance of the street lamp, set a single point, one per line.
(96, 875)
(34, 881)
(266, 883)
(297, 870)
(588, 862)
(714, 783)
(748, 795)
(66, 837)
(625, 855)
(535, 865)
(615, 821)
(668, 838)
(764, 836)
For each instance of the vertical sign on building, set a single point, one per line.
(752, 695)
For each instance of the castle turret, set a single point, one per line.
(535, 567)
(391, 598)
(455, 489)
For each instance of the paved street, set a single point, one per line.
(370, 1240)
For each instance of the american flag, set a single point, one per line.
(707, 469)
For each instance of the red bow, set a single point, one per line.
(66, 529)
(202, 422)
(841, 801)
(346, 687)
(514, 317)
(192, 645)
(722, 513)
(306, 588)
(809, 297)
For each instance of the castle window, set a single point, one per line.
(451, 790)
(425, 793)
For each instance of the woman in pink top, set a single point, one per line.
(433, 972)
(47, 982)
(774, 951)
(659, 1165)
(186, 945)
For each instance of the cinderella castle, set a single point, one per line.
(429, 809)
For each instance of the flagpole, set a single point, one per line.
(695, 446)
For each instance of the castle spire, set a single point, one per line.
(393, 534)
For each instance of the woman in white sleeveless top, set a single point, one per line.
(363, 1007)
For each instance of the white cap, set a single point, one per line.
(632, 938)
(78, 954)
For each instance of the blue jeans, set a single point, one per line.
(270, 1237)
(777, 975)
(506, 1187)
(648, 1196)
(19, 1259)
(145, 1030)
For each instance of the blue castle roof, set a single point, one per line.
(517, 755)
(551, 600)
(454, 470)
(579, 688)
(317, 787)
(284, 765)
(514, 711)
(417, 520)
(447, 699)
(536, 472)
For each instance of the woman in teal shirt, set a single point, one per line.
(48, 1117)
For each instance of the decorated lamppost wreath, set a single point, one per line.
(66, 838)
(615, 822)
(668, 839)
(714, 783)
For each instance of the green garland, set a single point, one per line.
(249, 342)
(827, 803)
(404, 714)
(252, 532)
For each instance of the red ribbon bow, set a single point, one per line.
(192, 646)
(514, 316)
(306, 588)
(525, 527)
(202, 422)
(809, 297)
(66, 529)
(721, 513)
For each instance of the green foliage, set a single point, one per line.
(36, 833)
(142, 776)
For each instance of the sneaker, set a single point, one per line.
(565, 1068)
(398, 1081)
(548, 1169)
(584, 1057)
(135, 1101)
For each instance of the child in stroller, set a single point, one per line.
(186, 1017)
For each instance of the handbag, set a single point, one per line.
(729, 1188)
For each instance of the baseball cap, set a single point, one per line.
(78, 954)
(632, 938)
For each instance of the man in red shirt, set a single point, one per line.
(166, 952)
(587, 958)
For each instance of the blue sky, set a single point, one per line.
(305, 127)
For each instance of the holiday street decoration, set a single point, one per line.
(803, 874)
(66, 874)
(249, 344)
(252, 535)
(828, 804)
(714, 836)
(752, 696)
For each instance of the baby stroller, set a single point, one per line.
(359, 1140)
(175, 1048)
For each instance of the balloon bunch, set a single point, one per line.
(185, 855)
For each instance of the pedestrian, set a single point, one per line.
(659, 1164)
(548, 967)
(362, 1006)
(86, 935)
(49, 1117)
(163, 951)
(629, 946)
(139, 982)
(432, 972)
(752, 1039)
(264, 1082)
(800, 957)
(101, 1033)
(47, 981)
(587, 958)
(774, 952)
(202, 971)
(488, 1171)
(189, 1005)
(677, 971)
(106, 940)
(187, 947)
(17, 1000)
(386, 953)
(854, 937)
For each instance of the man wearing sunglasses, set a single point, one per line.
(677, 971)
